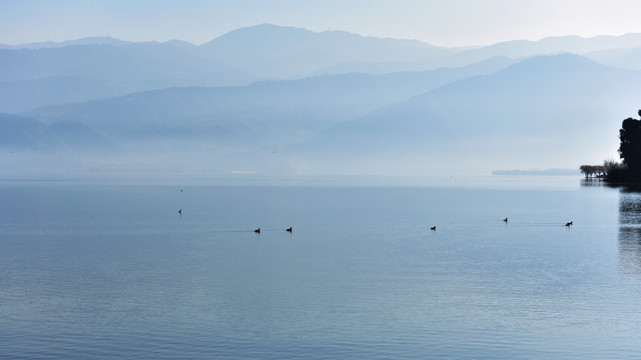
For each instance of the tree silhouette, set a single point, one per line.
(630, 148)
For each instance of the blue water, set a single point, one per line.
(95, 271)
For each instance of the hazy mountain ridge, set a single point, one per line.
(23, 95)
(127, 67)
(245, 55)
(623, 58)
(100, 71)
(484, 66)
(561, 44)
(295, 109)
(26, 134)
(106, 40)
(269, 51)
(141, 62)
(550, 111)
(604, 49)
(143, 104)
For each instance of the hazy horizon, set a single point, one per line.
(446, 24)
(279, 95)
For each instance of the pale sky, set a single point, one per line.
(438, 22)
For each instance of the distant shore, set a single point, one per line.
(547, 172)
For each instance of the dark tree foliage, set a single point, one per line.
(594, 170)
(630, 148)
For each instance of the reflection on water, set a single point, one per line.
(630, 230)
(593, 182)
(629, 243)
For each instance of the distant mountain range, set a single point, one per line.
(85, 41)
(269, 51)
(327, 102)
(548, 111)
(289, 111)
(95, 68)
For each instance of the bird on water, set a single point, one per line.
(257, 231)
(568, 223)
(433, 228)
(289, 229)
(505, 219)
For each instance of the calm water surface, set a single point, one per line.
(91, 271)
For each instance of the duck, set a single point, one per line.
(257, 231)
(505, 219)
(180, 211)
(568, 223)
(433, 228)
(289, 229)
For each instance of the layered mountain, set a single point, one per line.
(553, 45)
(32, 78)
(619, 51)
(546, 112)
(106, 40)
(270, 51)
(22, 95)
(622, 58)
(43, 74)
(176, 105)
(271, 112)
(24, 134)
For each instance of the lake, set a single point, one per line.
(105, 271)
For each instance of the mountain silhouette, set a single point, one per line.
(548, 111)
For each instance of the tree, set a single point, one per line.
(597, 170)
(630, 148)
(588, 170)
